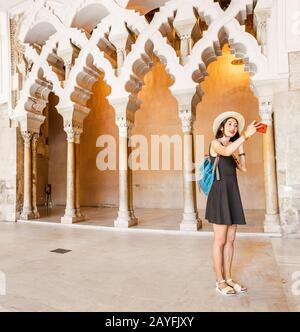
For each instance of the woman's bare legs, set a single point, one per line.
(220, 238)
(229, 250)
(228, 256)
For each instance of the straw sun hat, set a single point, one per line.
(220, 118)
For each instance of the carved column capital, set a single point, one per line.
(125, 126)
(185, 36)
(185, 111)
(73, 132)
(266, 110)
(186, 118)
(27, 137)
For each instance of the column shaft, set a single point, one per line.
(271, 196)
(27, 197)
(125, 215)
(70, 212)
(77, 184)
(271, 223)
(190, 220)
(70, 206)
(34, 175)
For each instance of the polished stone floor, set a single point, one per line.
(151, 219)
(115, 271)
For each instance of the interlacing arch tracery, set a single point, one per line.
(123, 44)
(70, 45)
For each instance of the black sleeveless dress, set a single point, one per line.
(224, 204)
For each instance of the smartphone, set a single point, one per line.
(263, 128)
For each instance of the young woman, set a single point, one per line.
(224, 206)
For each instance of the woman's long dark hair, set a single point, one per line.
(220, 131)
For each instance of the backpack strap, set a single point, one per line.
(216, 167)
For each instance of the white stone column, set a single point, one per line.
(272, 220)
(77, 174)
(121, 56)
(126, 216)
(191, 221)
(70, 212)
(34, 175)
(27, 212)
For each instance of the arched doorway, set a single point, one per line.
(157, 184)
(227, 88)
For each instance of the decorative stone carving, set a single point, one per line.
(266, 110)
(77, 89)
(73, 131)
(125, 126)
(18, 63)
(27, 136)
(186, 118)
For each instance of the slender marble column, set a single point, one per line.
(34, 175)
(77, 172)
(70, 212)
(27, 212)
(191, 221)
(272, 223)
(126, 216)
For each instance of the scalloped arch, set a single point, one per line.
(223, 27)
(30, 22)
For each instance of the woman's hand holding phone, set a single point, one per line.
(253, 128)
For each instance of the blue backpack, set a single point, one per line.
(208, 173)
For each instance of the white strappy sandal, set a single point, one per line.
(227, 291)
(238, 288)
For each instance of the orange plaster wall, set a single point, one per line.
(158, 116)
(57, 170)
(98, 188)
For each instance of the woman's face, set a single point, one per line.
(230, 128)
